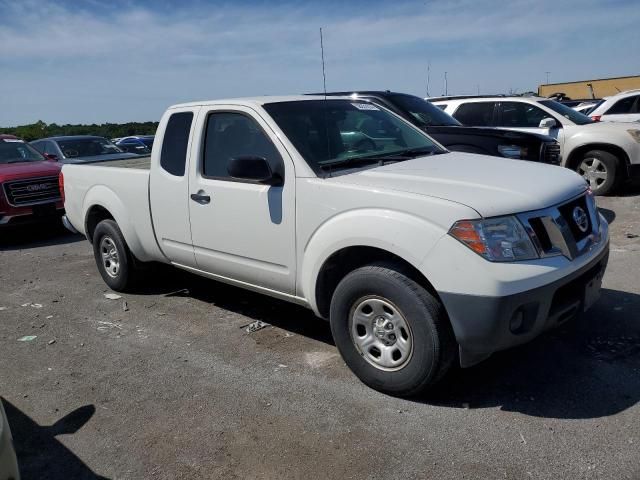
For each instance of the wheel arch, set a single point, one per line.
(348, 259)
(102, 203)
(576, 154)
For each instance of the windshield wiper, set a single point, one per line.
(382, 158)
(20, 160)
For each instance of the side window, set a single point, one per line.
(522, 115)
(49, 148)
(39, 146)
(622, 106)
(442, 106)
(173, 156)
(231, 135)
(475, 113)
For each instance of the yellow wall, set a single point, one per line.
(602, 88)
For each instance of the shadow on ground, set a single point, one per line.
(169, 281)
(40, 454)
(587, 369)
(37, 235)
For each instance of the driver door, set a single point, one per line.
(242, 230)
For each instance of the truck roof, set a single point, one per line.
(254, 101)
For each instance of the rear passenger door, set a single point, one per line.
(169, 185)
(524, 117)
(242, 230)
(476, 114)
(624, 110)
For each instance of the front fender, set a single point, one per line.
(402, 234)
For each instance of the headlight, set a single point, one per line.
(635, 134)
(512, 151)
(502, 239)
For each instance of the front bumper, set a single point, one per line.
(15, 216)
(484, 324)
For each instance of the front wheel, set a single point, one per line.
(392, 333)
(600, 169)
(113, 257)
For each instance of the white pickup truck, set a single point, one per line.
(418, 257)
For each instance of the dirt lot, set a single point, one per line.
(167, 384)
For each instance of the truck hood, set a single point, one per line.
(490, 185)
(101, 158)
(12, 171)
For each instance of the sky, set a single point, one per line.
(116, 61)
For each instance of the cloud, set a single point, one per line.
(127, 61)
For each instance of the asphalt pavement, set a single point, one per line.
(166, 383)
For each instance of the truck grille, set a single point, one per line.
(569, 229)
(551, 153)
(32, 191)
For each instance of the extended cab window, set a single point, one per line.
(475, 113)
(173, 156)
(520, 115)
(231, 135)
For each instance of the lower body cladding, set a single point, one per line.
(484, 325)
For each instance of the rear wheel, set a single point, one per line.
(601, 170)
(392, 333)
(116, 264)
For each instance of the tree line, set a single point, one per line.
(109, 130)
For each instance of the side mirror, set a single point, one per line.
(51, 157)
(253, 169)
(548, 123)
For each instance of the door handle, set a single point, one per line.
(201, 197)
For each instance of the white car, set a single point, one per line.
(419, 257)
(603, 153)
(586, 107)
(8, 462)
(623, 107)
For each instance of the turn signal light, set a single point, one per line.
(466, 233)
(596, 118)
(61, 185)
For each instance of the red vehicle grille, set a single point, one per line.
(32, 191)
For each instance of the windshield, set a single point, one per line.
(339, 132)
(87, 147)
(567, 112)
(424, 112)
(15, 151)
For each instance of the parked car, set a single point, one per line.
(603, 153)
(450, 133)
(140, 144)
(416, 255)
(28, 184)
(80, 149)
(623, 107)
(586, 107)
(8, 462)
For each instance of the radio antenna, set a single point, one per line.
(428, 77)
(324, 77)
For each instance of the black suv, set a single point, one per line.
(454, 136)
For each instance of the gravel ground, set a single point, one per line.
(167, 384)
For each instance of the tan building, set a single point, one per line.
(602, 87)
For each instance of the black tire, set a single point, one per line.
(433, 343)
(605, 164)
(107, 234)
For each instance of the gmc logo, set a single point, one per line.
(36, 187)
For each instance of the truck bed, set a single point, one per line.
(142, 163)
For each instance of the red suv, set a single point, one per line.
(28, 184)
